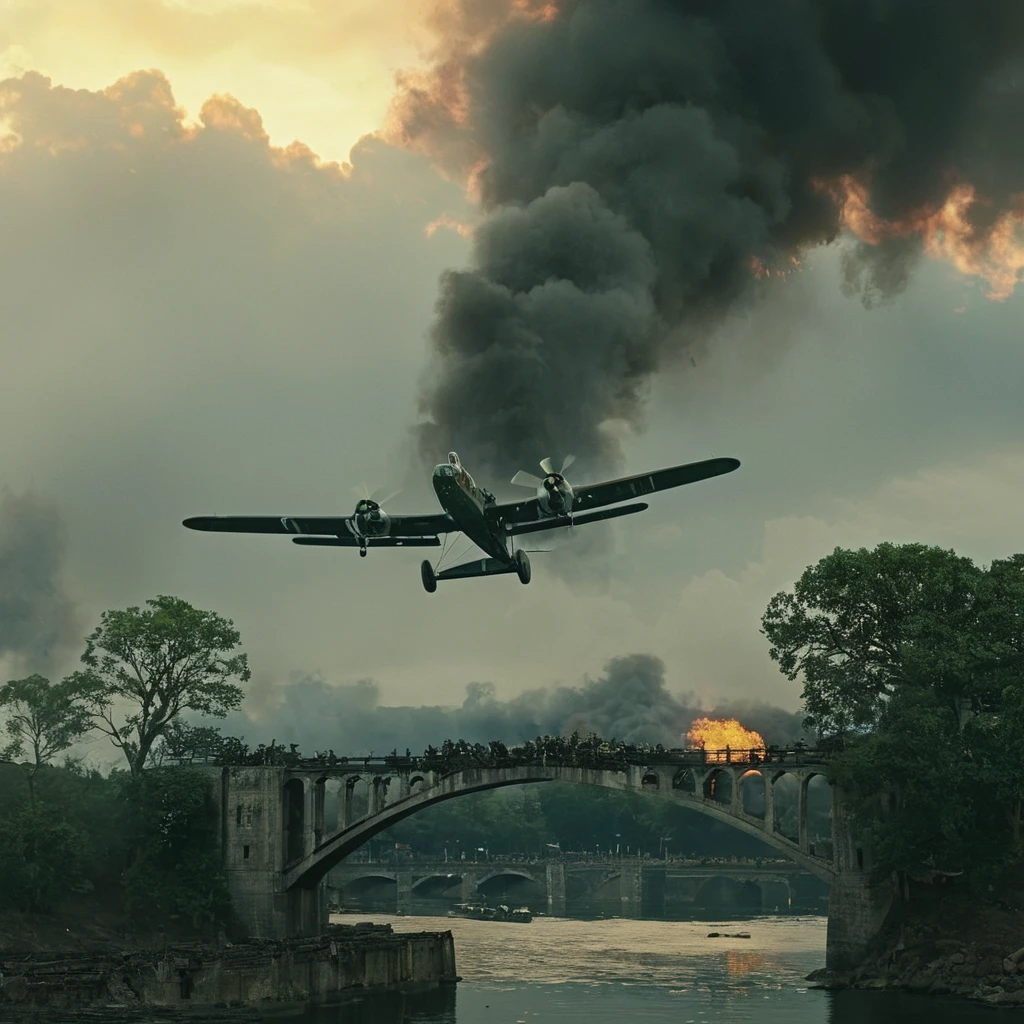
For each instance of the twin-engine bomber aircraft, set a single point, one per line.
(471, 510)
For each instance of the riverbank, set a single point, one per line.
(947, 940)
(346, 957)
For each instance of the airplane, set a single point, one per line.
(475, 512)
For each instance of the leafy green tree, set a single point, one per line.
(996, 746)
(146, 667)
(176, 872)
(860, 624)
(914, 654)
(47, 718)
(41, 859)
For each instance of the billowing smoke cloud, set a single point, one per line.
(641, 164)
(630, 701)
(37, 618)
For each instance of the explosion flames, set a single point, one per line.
(946, 232)
(715, 734)
(640, 164)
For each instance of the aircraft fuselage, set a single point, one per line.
(466, 504)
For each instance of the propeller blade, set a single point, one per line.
(545, 464)
(523, 479)
(361, 490)
(567, 462)
(386, 498)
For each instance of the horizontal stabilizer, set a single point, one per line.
(590, 517)
(478, 567)
(371, 542)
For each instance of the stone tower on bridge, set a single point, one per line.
(277, 851)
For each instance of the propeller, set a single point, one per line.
(524, 479)
(363, 491)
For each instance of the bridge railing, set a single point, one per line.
(602, 757)
(574, 858)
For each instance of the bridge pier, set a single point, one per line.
(467, 887)
(555, 879)
(631, 889)
(858, 904)
(403, 896)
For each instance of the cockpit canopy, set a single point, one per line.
(453, 460)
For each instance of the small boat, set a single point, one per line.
(479, 912)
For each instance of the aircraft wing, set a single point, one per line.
(328, 526)
(528, 511)
(596, 495)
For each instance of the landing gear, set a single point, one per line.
(362, 551)
(428, 577)
(522, 563)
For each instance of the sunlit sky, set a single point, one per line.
(317, 70)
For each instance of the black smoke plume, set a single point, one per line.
(629, 701)
(636, 159)
(37, 618)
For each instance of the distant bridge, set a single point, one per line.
(623, 878)
(277, 849)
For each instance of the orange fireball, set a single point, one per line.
(715, 734)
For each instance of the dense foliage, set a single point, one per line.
(145, 845)
(911, 656)
(145, 840)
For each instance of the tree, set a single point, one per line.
(860, 624)
(47, 717)
(41, 860)
(162, 661)
(176, 873)
(914, 654)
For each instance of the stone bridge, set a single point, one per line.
(277, 850)
(625, 878)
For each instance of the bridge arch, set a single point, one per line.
(506, 873)
(294, 819)
(718, 786)
(650, 780)
(753, 791)
(308, 873)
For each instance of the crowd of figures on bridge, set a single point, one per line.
(457, 755)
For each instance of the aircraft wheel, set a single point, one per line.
(428, 577)
(523, 569)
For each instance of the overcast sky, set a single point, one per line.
(196, 318)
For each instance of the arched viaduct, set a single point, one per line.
(631, 881)
(277, 851)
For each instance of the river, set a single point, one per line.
(566, 971)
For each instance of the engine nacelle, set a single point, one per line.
(370, 520)
(555, 495)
